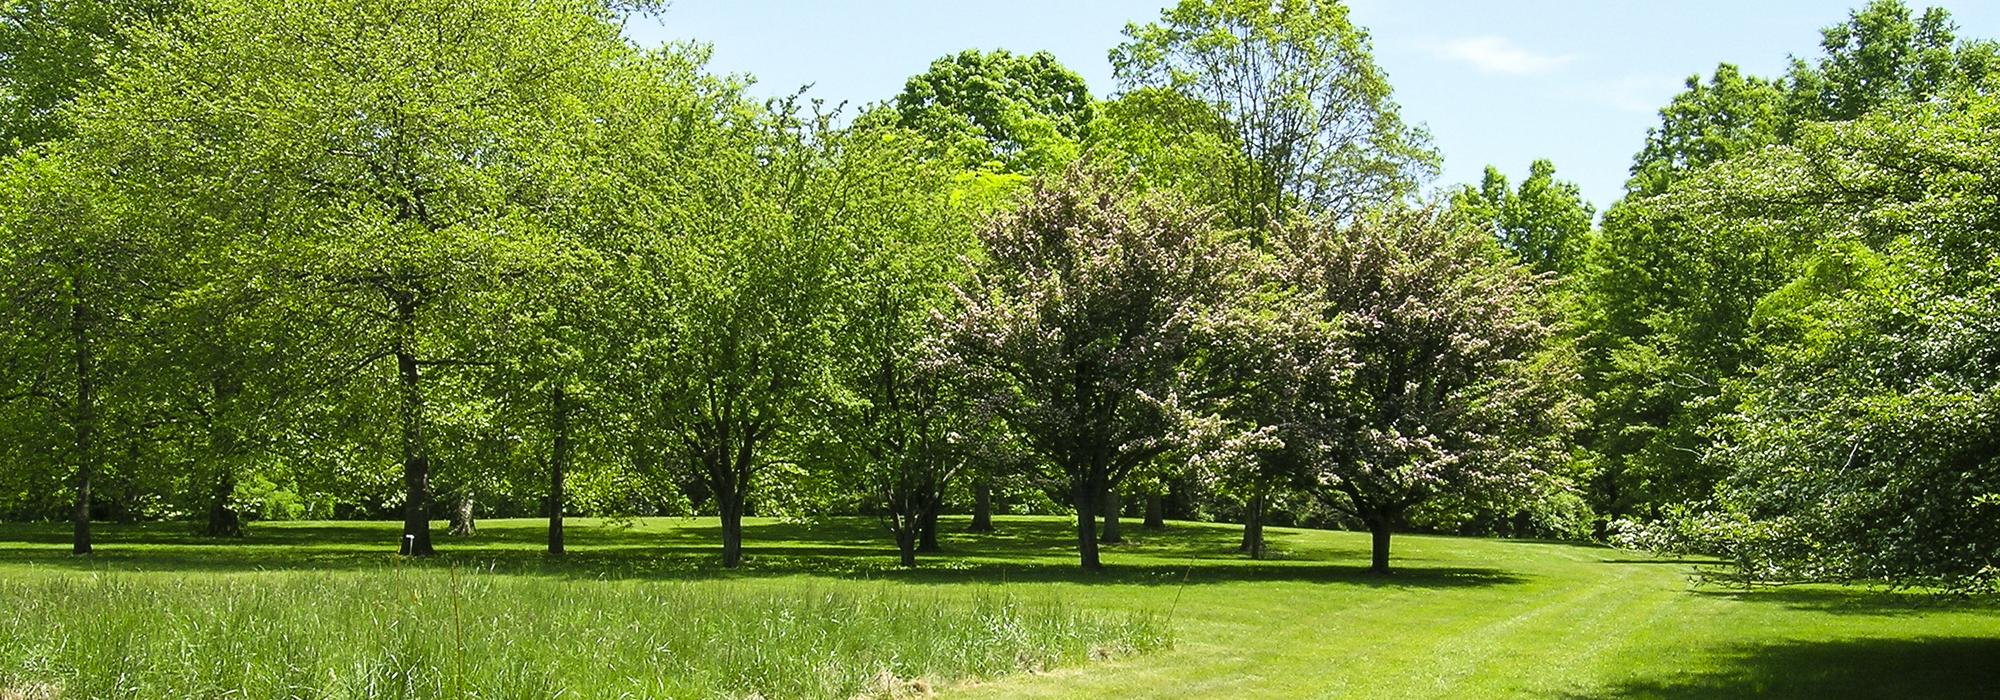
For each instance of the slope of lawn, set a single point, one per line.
(819, 610)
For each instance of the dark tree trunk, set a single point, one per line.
(416, 459)
(731, 477)
(1253, 523)
(1112, 505)
(906, 544)
(84, 418)
(982, 507)
(223, 521)
(559, 455)
(1085, 496)
(1156, 517)
(1379, 528)
(732, 536)
(927, 529)
(462, 524)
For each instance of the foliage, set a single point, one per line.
(1862, 444)
(1545, 222)
(1079, 327)
(904, 423)
(55, 50)
(1413, 366)
(1297, 87)
(998, 110)
(1664, 318)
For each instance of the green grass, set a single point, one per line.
(820, 610)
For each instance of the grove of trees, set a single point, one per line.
(272, 259)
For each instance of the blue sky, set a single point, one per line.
(1502, 83)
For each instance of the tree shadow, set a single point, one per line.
(1023, 549)
(1924, 667)
(1857, 601)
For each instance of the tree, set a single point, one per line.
(1021, 113)
(747, 274)
(77, 285)
(903, 418)
(1266, 111)
(1859, 445)
(1666, 301)
(395, 174)
(1081, 319)
(562, 356)
(1707, 123)
(1450, 388)
(1545, 223)
(1295, 83)
(1883, 55)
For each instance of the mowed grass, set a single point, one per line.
(820, 610)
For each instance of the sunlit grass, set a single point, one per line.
(820, 609)
(446, 633)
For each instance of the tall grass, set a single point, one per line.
(430, 633)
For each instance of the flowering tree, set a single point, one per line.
(1405, 361)
(1081, 321)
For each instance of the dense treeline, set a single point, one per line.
(350, 258)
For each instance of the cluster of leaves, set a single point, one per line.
(1786, 326)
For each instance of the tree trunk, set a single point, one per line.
(223, 521)
(84, 416)
(906, 544)
(462, 524)
(416, 460)
(1253, 523)
(982, 507)
(1379, 528)
(1156, 517)
(1112, 505)
(559, 455)
(1085, 499)
(732, 535)
(731, 478)
(927, 529)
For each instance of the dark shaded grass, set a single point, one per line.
(1920, 667)
(1023, 550)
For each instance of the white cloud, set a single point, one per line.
(1497, 55)
(1642, 94)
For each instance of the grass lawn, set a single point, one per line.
(820, 610)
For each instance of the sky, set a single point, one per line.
(1496, 83)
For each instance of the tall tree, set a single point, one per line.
(1545, 222)
(1859, 444)
(79, 281)
(1021, 113)
(747, 275)
(903, 415)
(1884, 54)
(1296, 85)
(1082, 318)
(383, 179)
(1666, 302)
(1705, 124)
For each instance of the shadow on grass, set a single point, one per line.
(1024, 549)
(1923, 667)
(1858, 601)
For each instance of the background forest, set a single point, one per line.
(355, 259)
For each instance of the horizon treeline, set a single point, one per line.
(446, 260)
